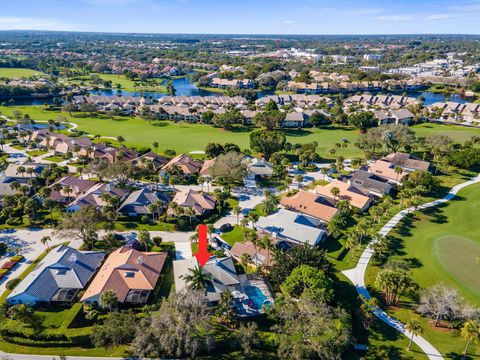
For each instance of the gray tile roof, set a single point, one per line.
(63, 268)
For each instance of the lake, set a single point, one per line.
(185, 87)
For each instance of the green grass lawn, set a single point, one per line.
(442, 245)
(233, 236)
(125, 83)
(34, 153)
(11, 73)
(184, 137)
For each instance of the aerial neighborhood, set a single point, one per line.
(238, 196)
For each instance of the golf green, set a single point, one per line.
(461, 258)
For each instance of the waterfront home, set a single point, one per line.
(234, 83)
(57, 278)
(131, 274)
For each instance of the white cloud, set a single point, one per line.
(395, 18)
(29, 23)
(438, 17)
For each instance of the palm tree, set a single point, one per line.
(352, 243)
(144, 238)
(200, 182)
(155, 146)
(253, 217)
(108, 300)
(470, 332)
(197, 279)
(237, 210)
(335, 191)
(120, 139)
(45, 241)
(190, 212)
(335, 224)
(266, 244)
(415, 328)
(245, 259)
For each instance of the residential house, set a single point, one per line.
(31, 170)
(292, 227)
(155, 160)
(68, 188)
(57, 278)
(373, 184)
(202, 203)
(137, 203)
(187, 165)
(131, 274)
(400, 116)
(310, 204)
(222, 271)
(258, 255)
(234, 83)
(207, 166)
(95, 196)
(295, 120)
(258, 168)
(357, 197)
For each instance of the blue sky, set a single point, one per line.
(245, 16)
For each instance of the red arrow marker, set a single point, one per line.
(202, 255)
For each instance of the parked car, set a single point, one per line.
(226, 228)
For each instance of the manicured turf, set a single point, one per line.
(441, 245)
(184, 137)
(17, 73)
(461, 258)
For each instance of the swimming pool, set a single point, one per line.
(257, 296)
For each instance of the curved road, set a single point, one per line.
(357, 274)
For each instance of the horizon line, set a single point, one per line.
(238, 34)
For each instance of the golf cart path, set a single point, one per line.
(357, 274)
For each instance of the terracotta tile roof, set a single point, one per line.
(309, 204)
(258, 256)
(355, 196)
(127, 269)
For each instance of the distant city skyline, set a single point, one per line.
(320, 17)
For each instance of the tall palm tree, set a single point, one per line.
(266, 244)
(415, 328)
(237, 210)
(471, 333)
(245, 259)
(197, 279)
(45, 240)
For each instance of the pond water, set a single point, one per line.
(185, 87)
